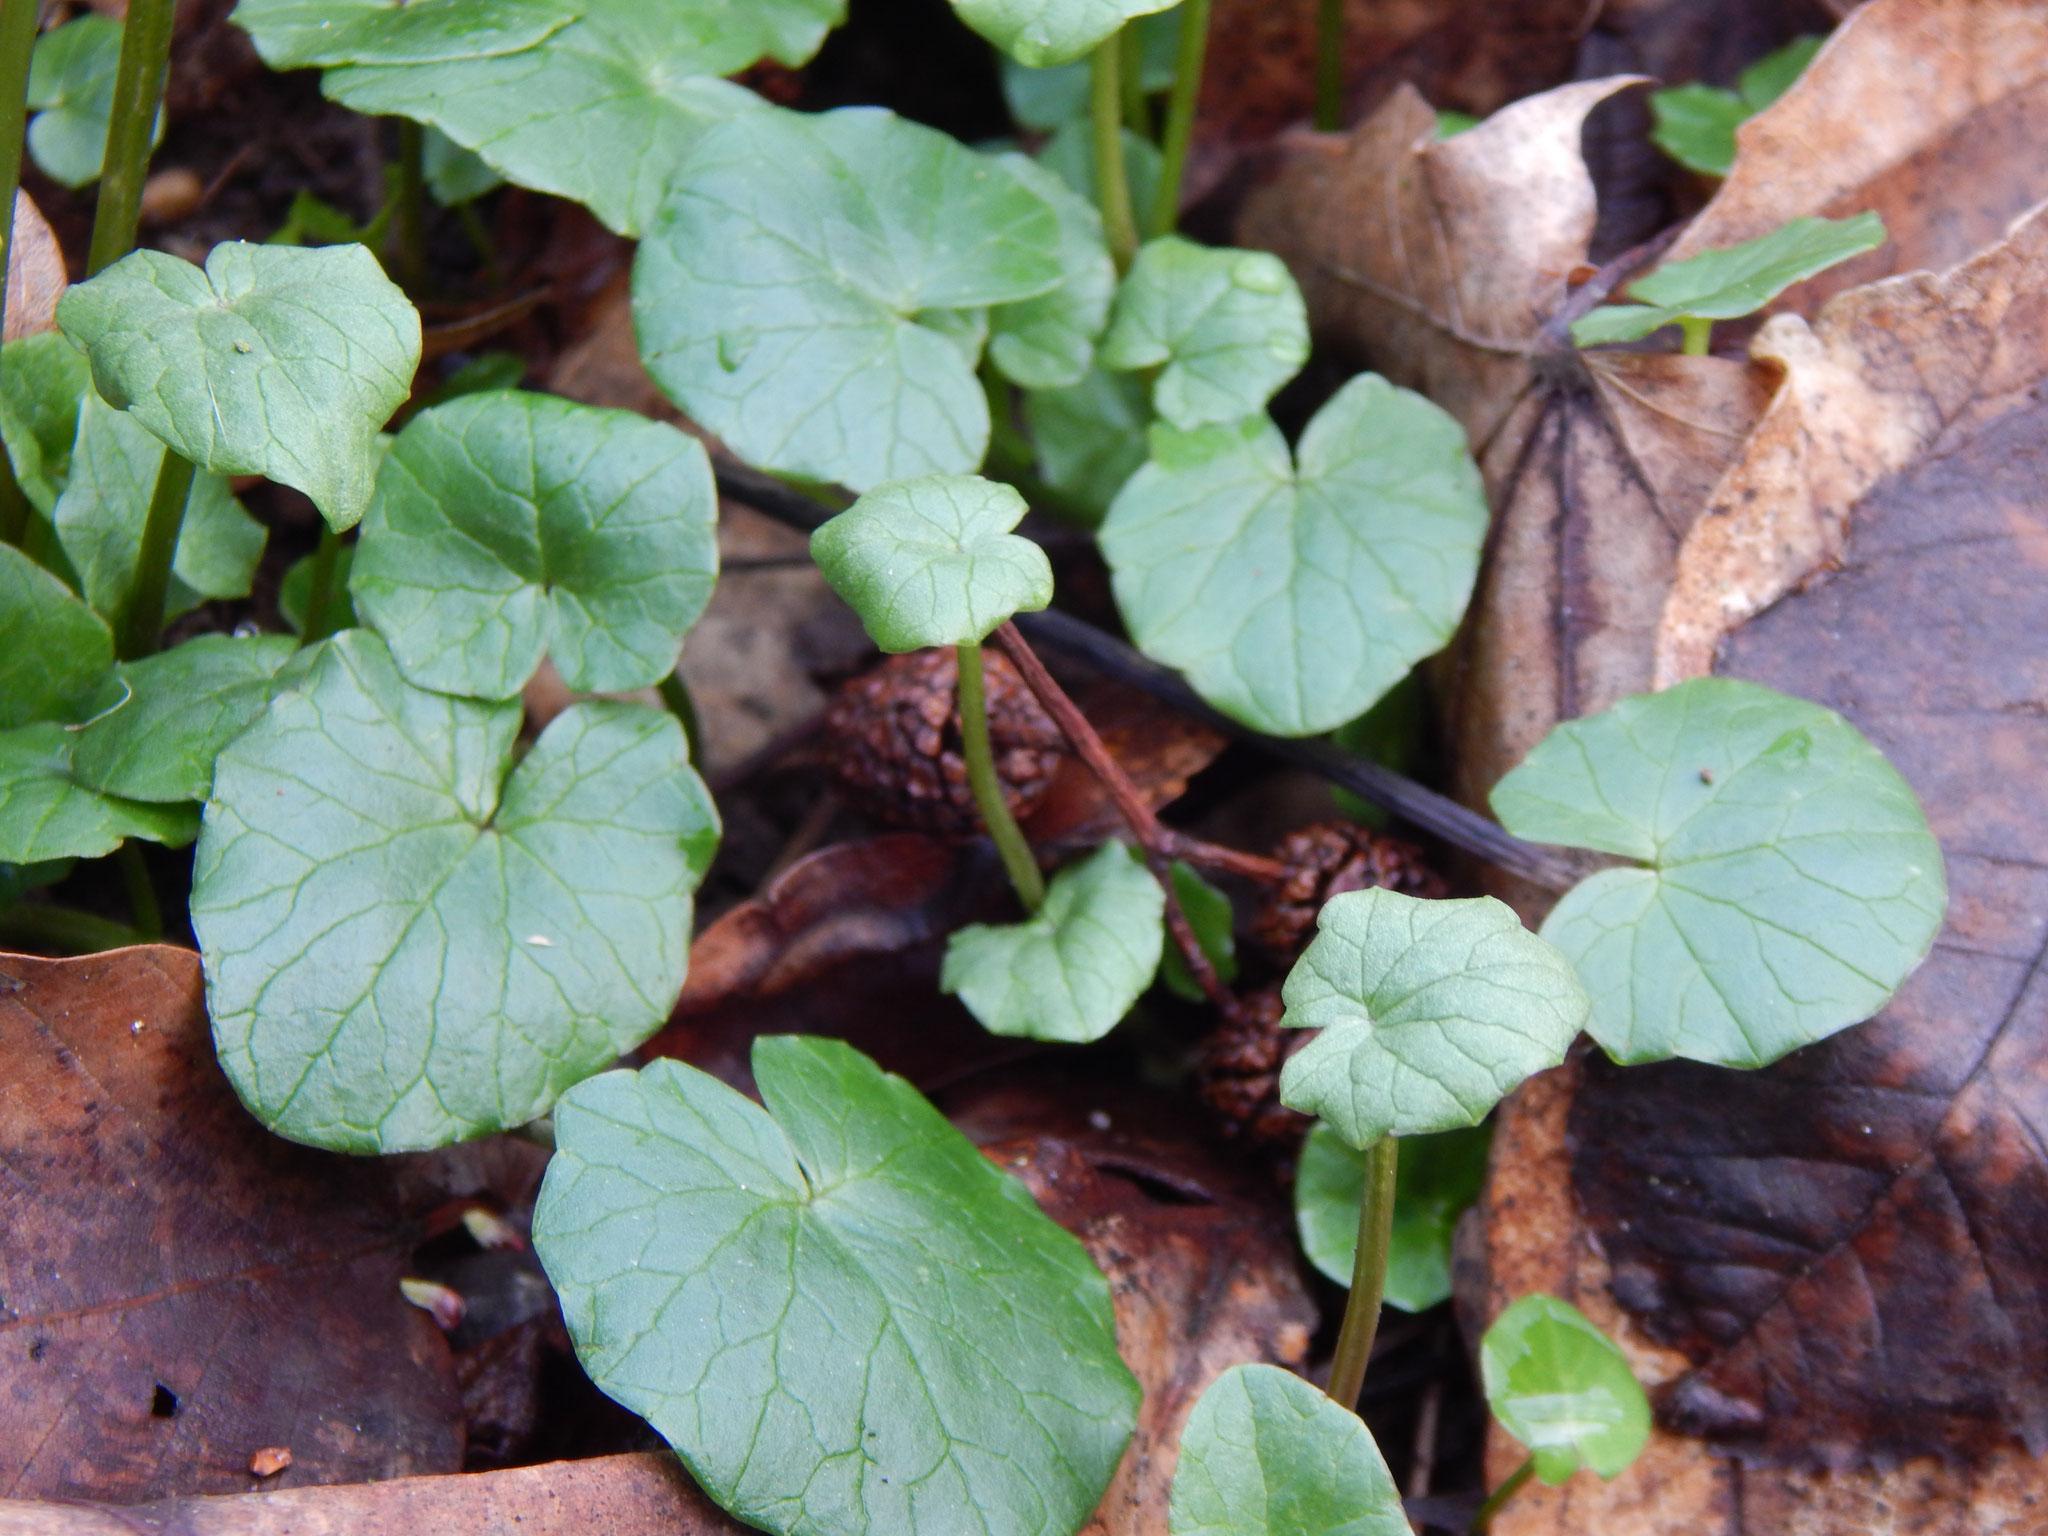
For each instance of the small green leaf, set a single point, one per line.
(1226, 329)
(46, 813)
(509, 525)
(1790, 883)
(271, 361)
(1431, 1013)
(1070, 155)
(54, 650)
(410, 941)
(1724, 285)
(1561, 1387)
(293, 34)
(605, 110)
(71, 91)
(1090, 439)
(1772, 75)
(1695, 124)
(1044, 99)
(1209, 915)
(105, 502)
(793, 295)
(844, 1318)
(295, 593)
(161, 721)
(1449, 123)
(1437, 1179)
(1071, 971)
(1294, 594)
(455, 175)
(1042, 32)
(42, 379)
(933, 561)
(1048, 342)
(1266, 1454)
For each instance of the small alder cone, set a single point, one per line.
(1328, 858)
(1238, 1071)
(894, 738)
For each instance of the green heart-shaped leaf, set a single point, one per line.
(405, 943)
(1266, 1454)
(53, 649)
(46, 813)
(1431, 1012)
(1294, 594)
(71, 91)
(606, 109)
(1071, 970)
(1089, 439)
(1042, 32)
(1561, 1387)
(844, 1318)
(42, 380)
(933, 561)
(163, 720)
(291, 34)
(1788, 885)
(801, 296)
(1437, 1179)
(273, 360)
(508, 525)
(105, 502)
(1048, 342)
(1723, 285)
(1225, 328)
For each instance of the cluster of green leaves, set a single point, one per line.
(1695, 124)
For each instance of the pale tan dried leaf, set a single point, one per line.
(35, 272)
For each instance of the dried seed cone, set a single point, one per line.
(1238, 1072)
(1328, 858)
(893, 735)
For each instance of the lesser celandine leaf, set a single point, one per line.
(510, 525)
(54, 650)
(160, 722)
(46, 813)
(844, 1318)
(1044, 98)
(291, 34)
(71, 91)
(814, 289)
(1089, 438)
(1047, 342)
(1723, 285)
(1266, 1454)
(1071, 970)
(42, 380)
(1225, 328)
(407, 944)
(1431, 1012)
(1695, 124)
(1294, 591)
(1042, 32)
(932, 561)
(272, 360)
(1788, 882)
(1561, 1387)
(105, 502)
(1438, 1178)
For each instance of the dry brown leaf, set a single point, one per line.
(36, 278)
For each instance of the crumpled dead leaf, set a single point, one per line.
(36, 279)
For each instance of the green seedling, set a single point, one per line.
(71, 91)
(1726, 285)
(1695, 124)
(1437, 1181)
(1294, 589)
(1781, 879)
(1040, 33)
(843, 1317)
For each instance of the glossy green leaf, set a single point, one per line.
(801, 296)
(509, 525)
(607, 108)
(271, 361)
(1089, 439)
(46, 813)
(99, 519)
(1437, 1178)
(1070, 154)
(71, 91)
(1431, 1013)
(1561, 1387)
(1294, 592)
(295, 593)
(1723, 285)
(1225, 329)
(933, 562)
(42, 379)
(409, 940)
(1048, 342)
(1210, 917)
(1045, 98)
(1072, 970)
(1042, 32)
(455, 175)
(1266, 1454)
(1786, 880)
(293, 34)
(54, 650)
(161, 721)
(1695, 124)
(844, 1318)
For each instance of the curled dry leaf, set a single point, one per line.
(36, 278)
(178, 1288)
